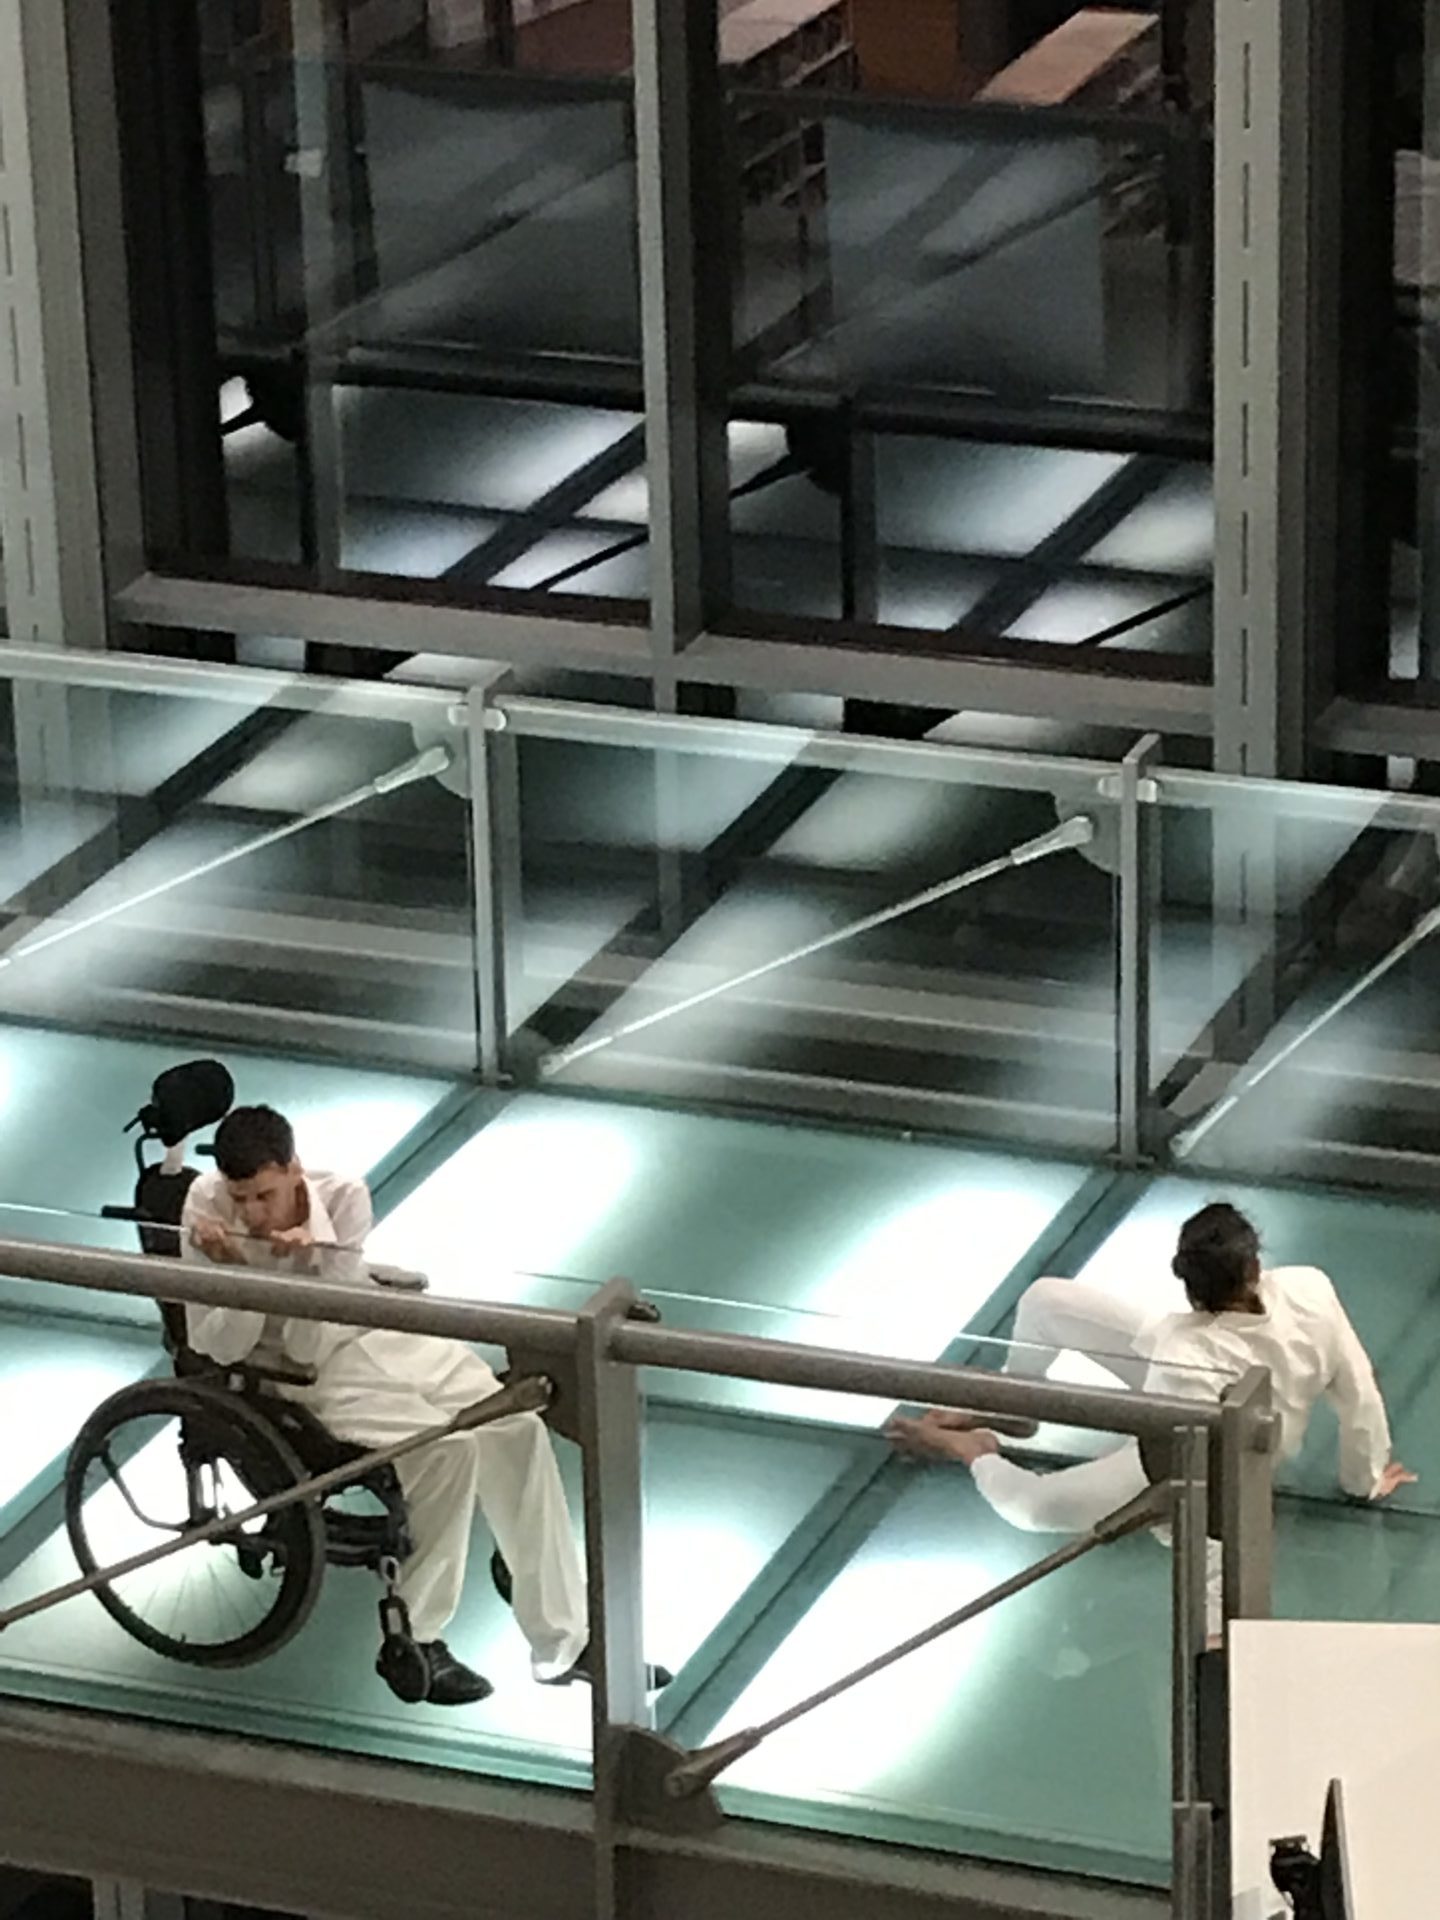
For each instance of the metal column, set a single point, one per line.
(49, 509)
(684, 303)
(1247, 1441)
(1139, 851)
(495, 874)
(610, 1436)
(1278, 275)
(1192, 1867)
(319, 165)
(126, 1900)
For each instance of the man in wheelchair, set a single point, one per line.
(260, 1207)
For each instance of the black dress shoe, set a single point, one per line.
(452, 1683)
(655, 1677)
(430, 1672)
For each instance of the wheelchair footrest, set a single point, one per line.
(403, 1663)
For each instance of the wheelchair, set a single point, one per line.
(168, 1455)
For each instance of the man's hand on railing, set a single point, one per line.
(941, 1434)
(217, 1243)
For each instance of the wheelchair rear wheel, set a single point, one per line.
(159, 1458)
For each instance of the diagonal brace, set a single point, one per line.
(530, 1395)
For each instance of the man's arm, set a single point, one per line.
(341, 1242)
(352, 1215)
(1070, 1500)
(226, 1334)
(1364, 1428)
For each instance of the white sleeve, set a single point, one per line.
(351, 1216)
(1070, 1500)
(226, 1334)
(1364, 1428)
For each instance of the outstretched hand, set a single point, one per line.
(1391, 1480)
(941, 1434)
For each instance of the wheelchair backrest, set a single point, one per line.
(182, 1100)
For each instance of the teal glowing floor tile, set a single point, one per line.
(1038, 1733)
(706, 1531)
(65, 1098)
(50, 1379)
(744, 1226)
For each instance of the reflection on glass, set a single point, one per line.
(840, 1550)
(1297, 974)
(407, 207)
(166, 855)
(833, 927)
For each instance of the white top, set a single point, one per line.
(340, 1217)
(1311, 1350)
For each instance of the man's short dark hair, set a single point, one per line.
(250, 1138)
(1216, 1257)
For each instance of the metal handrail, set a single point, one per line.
(587, 724)
(547, 1331)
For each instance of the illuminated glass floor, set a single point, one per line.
(782, 1545)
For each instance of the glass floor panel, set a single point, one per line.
(49, 1383)
(65, 1098)
(986, 1744)
(787, 1232)
(719, 1501)
(1039, 1733)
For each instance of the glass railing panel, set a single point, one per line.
(1296, 969)
(937, 250)
(921, 1234)
(735, 1485)
(318, 1688)
(242, 856)
(1039, 1733)
(863, 930)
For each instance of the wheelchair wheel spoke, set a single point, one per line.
(152, 1462)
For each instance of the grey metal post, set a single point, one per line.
(1247, 1442)
(1139, 848)
(859, 529)
(1427, 478)
(684, 305)
(1192, 1867)
(610, 1436)
(317, 54)
(50, 526)
(1276, 426)
(494, 861)
(128, 1900)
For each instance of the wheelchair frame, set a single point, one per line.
(237, 1417)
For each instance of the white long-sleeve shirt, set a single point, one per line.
(339, 1220)
(1303, 1337)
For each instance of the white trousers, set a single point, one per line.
(385, 1386)
(1056, 1316)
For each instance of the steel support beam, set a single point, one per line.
(49, 508)
(1193, 1817)
(1138, 899)
(1278, 277)
(684, 304)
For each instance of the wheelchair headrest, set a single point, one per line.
(186, 1098)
